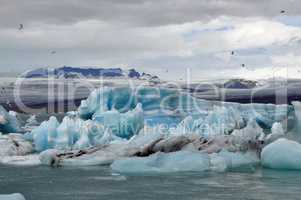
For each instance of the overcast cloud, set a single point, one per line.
(153, 35)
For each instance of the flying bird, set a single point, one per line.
(243, 65)
(232, 52)
(21, 26)
(53, 52)
(282, 11)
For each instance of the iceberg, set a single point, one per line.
(185, 161)
(111, 126)
(101, 154)
(68, 132)
(244, 138)
(32, 122)
(76, 133)
(219, 121)
(276, 133)
(206, 118)
(282, 154)
(15, 196)
(44, 136)
(8, 121)
(14, 145)
(25, 160)
(155, 101)
(181, 161)
(225, 161)
(238, 160)
(123, 125)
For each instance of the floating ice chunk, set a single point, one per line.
(218, 163)
(123, 125)
(74, 133)
(219, 121)
(126, 98)
(247, 135)
(171, 144)
(225, 160)
(83, 141)
(223, 120)
(163, 163)
(131, 122)
(108, 138)
(110, 119)
(239, 159)
(282, 154)
(101, 156)
(32, 121)
(276, 133)
(266, 114)
(45, 135)
(72, 114)
(15, 196)
(8, 121)
(67, 133)
(98, 100)
(49, 157)
(297, 108)
(94, 130)
(14, 145)
(144, 139)
(27, 160)
(184, 127)
(277, 129)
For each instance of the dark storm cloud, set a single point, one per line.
(137, 12)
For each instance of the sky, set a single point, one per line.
(175, 39)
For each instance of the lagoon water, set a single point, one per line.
(96, 183)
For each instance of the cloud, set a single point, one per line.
(152, 35)
(138, 12)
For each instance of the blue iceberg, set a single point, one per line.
(207, 117)
(112, 126)
(8, 122)
(282, 154)
(75, 133)
(181, 161)
(44, 136)
(123, 125)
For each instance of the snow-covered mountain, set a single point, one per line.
(240, 84)
(78, 72)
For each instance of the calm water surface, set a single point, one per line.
(96, 183)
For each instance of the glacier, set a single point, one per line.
(148, 129)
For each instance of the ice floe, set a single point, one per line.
(282, 154)
(15, 196)
(8, 121)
